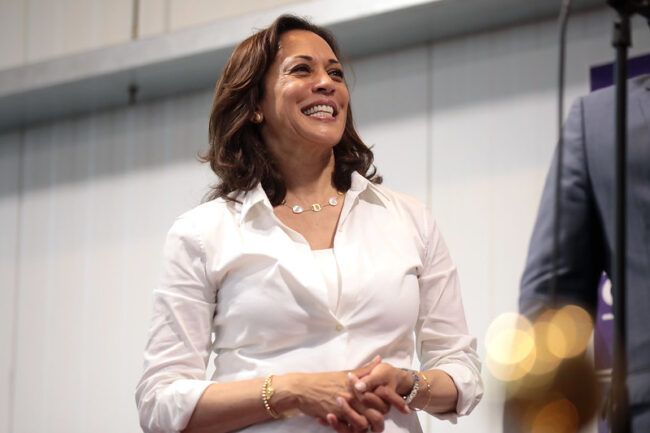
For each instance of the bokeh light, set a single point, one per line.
(558, 416)
(510, 342)
(547, 334)
(515, 347)
(549, 386)
(576, 326)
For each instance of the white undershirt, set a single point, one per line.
(327, 265)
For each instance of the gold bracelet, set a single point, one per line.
(267, 393)
(428, 392)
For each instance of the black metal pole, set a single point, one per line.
(557, 208)
(619, 415)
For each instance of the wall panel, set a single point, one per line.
(187, 13)
(10, 148)
(12, 33)
(153, 17)
(67, 26)
(100, 193)
(389, 98)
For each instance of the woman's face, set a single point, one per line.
(305, 99)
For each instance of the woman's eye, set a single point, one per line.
(300, 68)
(337, 73)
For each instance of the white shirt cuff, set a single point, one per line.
(470, 390)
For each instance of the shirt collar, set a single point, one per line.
(359, 187)
(251, 199)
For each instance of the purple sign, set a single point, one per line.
(603, 333)
(603, 75)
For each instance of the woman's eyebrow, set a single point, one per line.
(310, 58)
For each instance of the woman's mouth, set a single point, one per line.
(319, 111)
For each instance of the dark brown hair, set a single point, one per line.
(237, 152)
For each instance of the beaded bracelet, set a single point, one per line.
(267, 393)
(416, 386)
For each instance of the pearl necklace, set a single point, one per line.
(315, 207)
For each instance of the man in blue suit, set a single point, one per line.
(586, 246)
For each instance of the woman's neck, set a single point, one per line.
(308, 178)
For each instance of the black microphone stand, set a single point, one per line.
(618, 402)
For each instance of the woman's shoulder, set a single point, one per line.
(400, 200)
(406, 208)
(208, 210)
(208, 216)
(409, 213)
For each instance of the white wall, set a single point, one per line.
(10, 147)
(37, 30)
(98, 195)
(12, 43)
(162, 16)
(466, 124)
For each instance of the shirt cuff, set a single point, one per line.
(470, 390)
(174, 406)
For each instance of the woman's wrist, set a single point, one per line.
(424, 393)
(418, 396)
(285, 397)
(438, 395)
(405, 383)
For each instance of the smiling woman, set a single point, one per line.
(305, 100)
(238, 154)
(317, 283)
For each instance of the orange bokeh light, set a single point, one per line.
(558, 416)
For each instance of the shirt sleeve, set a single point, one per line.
(442, 339)
(179, 341)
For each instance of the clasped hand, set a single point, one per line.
(371, 391)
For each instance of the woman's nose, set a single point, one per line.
(324, 83)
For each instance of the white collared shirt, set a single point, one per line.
(237, 281)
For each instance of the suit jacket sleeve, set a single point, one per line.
(580, 256)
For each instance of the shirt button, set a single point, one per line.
(339, 327)
(348, 267)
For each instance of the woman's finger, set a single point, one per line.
(366, 369)
(333, 421)
(356, 385)
(374, 417)
(382, 374)
(393, 398)
(388, 376)
(376, 420)
(373, 401)
(356, 420)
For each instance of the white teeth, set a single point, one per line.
(321, 114)
(320, 111)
